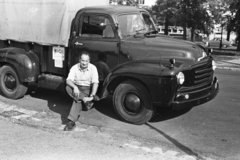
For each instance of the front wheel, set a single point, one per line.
(132, 102)
(10, 84)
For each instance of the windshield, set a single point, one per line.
(130, 24)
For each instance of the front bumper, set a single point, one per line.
(196, 97)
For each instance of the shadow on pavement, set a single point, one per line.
(105, 106)
(58, 102)
(163, 114)
(181, 146)
(61, 102)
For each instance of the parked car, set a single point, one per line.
(216, 43)
(235, 42)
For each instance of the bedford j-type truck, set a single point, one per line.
(41, 40)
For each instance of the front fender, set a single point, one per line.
(25, 63)
(148, 73)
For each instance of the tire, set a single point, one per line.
(132, 103)
(10, 85)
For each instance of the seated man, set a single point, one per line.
(82, 84)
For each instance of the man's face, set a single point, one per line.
(84, 61)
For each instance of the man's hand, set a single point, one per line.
(86, 99)
(76, 92)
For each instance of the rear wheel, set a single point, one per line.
(132, 102)
(10, 84)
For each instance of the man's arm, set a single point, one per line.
(94, 89)
(75, 88)
(93, 93)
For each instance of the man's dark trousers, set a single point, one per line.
(77, 104)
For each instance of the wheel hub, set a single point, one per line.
(132, 103)
(10, 82)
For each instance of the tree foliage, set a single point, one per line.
(235, 7)
(165, 11)
(187, 13)
(199, 15)
(195, 16)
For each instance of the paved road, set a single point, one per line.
(21, 142)
(209, 130)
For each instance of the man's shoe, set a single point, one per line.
(69, 126)
(89, 105)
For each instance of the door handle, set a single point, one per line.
(78, 44)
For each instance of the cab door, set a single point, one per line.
(97, 34)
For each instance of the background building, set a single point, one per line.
(147, 3)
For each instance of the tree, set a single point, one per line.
(235, 7)
(164, 11)
(187, 13)
(223, 15)
(196, 15)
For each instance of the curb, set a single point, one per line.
(228, 68)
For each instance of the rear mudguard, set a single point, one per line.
(148, 73)
(25, 63)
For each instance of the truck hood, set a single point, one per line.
(160, 47)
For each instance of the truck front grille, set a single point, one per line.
(203, 73)
(200, 76)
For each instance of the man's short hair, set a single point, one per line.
(84, 53)
(102, 56)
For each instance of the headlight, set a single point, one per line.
(214, 66)
(180, 78)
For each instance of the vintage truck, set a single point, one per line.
(39, 42)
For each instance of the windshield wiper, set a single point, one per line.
(138, 33)
(148, 33)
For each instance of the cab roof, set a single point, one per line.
(111, 9)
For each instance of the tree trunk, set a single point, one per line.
(166, 25)
(220, 45)
(193, 34)
(238, 40)
(185, 31)
(228, 34)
